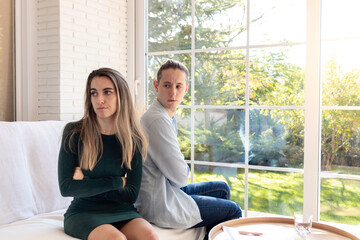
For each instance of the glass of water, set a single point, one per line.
(302, 223)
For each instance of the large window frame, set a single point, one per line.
(25, 66)
(7, 96)
(312, 107)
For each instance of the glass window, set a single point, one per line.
(169, 25)
(276, 138)
(219, 136)
(220, 78)
(340, 143)
(277, 21)
(243, 119)
(277, 76)
(275, 192)
(220, 23)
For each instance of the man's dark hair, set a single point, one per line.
(172, 64)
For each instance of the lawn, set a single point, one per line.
(282, 193)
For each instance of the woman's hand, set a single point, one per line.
(124, 181)
(78, 174)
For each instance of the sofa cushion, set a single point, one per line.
(28, 169)
(42, 140)
(16, 198)
(49, 226)
(29, 188)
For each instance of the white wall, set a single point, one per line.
(71, 39)
(48, 59)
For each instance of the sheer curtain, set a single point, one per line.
(7, 109)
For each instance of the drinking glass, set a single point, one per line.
(303, 223)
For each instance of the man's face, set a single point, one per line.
(171, 89)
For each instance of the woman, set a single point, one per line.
(96, 154)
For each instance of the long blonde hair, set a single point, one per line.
(127, 126)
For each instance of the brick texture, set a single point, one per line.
(74, 38)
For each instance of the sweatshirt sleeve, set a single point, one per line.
(165, 152)
(87, 187)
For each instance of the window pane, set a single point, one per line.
(340, 201)
(340, 73)
(277, 138)
(277, 76)
(169, 25)
(234, 177)
(220, 23)
(218, 135)
(340, 53)
(220, 78)
(338, 21)
(154, 63)
(183, 118)
(277, 21)
(7, 107)
(275, 192)
(340, 129)
(340, 141)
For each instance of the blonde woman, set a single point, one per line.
(96, 154)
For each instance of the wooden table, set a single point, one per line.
(277, 228)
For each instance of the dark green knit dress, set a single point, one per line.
(99, 198)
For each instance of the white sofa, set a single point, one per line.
(31, 206)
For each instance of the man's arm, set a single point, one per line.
(165, 152)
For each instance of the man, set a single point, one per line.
(165, 199)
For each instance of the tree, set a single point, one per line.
(340, 128)
(220, 79)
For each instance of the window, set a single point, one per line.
(6, 62)
(248, 116)
(340, 121)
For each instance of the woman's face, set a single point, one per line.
(103, 98)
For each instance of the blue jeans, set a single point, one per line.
(213, 201)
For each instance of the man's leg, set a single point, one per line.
(213, 202)
(215, 189)
(215, 210)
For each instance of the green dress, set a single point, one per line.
(99, 198)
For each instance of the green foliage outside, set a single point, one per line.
(282, 193)
(276, 136)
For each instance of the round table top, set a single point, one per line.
(277, 228)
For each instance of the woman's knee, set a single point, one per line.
(106, 231)
(111, 236)
(118, 237)
(139, 229)
(147, 234)
(152, 235)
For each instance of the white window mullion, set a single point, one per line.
(131, 64)
(140, 50)
(247, 113)
(26, 92)
(192, 90)
(312, 146)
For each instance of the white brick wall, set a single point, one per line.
(74, 38)
(48, 59)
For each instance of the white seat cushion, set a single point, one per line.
(49, 226)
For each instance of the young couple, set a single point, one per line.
(101, 164)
